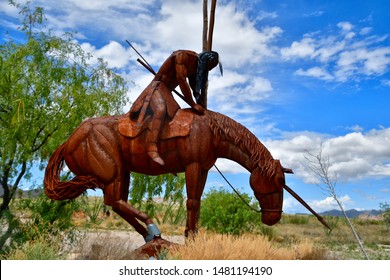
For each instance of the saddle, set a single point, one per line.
(179, 126)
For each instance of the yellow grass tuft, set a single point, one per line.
(212, 246)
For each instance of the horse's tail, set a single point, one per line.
(57, 190)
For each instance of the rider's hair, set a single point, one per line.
(202, 73)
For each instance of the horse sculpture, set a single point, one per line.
(103, 151)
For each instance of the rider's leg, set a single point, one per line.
(158, 107)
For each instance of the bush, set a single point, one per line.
(296, 219)
(39, 249)
(224, 212)
(385, 207)
(92, 206)
(57, 214)
(49, 224)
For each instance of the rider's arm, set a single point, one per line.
(181, 76)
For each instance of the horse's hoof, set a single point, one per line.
(153, 232)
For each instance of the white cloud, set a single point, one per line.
(345, 26)
(352, 156)
(157, 28)
(228, 166)
(355, 128)
(113, 53)
(237, 93)
(8, 9)
(329, 203)
(365, 30)
(315, 72)
(166, 26)
(291, 205)
(302, 49)
(386, 83)
(343, 56)
(363, 61)
(265, 15)
(314, 14)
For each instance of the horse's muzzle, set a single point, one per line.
(270, 217)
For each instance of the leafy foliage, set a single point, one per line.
(47, 88)
(224, 212)
(47, 223)
(49, 215)
(92, 207)
(144, 189)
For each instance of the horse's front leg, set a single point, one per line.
(195, 182)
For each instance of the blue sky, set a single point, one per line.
(300, 74)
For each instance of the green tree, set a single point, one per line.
(224, 212)
(47, 89)
(49, 225)
(145, 188)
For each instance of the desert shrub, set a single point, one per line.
(92, 206)
(224, 212)
(385, 207)
(49, 224)
(296, 219)
(172, 211)
(48, 216)
(145, 189)
(40, 248)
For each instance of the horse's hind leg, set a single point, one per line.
(116, 194)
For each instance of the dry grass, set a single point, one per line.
(291, 237)
(212, 246)
(294, 237)
(340, 243)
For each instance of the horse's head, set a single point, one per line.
(267, 183)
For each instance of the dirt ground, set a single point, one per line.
(112, 244)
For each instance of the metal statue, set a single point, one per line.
(157, 137)
(103, 151)
(157, 100)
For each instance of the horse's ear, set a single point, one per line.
(287, 170)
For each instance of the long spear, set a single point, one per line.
(205, 26)
(297, 197)
(211, 27)
(207, 43)
(145, 64)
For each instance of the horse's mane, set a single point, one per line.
(244, 139)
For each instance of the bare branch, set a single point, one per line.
(320, 166)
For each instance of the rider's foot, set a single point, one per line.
(156, 158)
(153, 154)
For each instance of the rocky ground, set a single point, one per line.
(111, 244)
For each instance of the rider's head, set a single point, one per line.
(208, 60)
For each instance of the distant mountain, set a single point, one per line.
(353, 213)
(24, 193)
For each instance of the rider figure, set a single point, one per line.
(157, 96)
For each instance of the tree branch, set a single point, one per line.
(320, 167)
